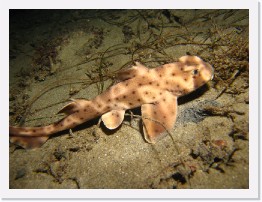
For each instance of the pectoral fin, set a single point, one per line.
(113, 118)
(158, 118)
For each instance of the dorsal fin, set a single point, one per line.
(68, 109)
(136, 70)
(73, 106)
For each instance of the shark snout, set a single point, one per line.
(212, 72)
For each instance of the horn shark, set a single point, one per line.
(156, 90)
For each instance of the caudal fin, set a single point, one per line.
(28, 137)
(33, 137)
(28, 142)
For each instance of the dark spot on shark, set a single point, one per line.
(74, 123)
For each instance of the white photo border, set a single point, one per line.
(254, 164)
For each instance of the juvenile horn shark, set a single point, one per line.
(155, 90)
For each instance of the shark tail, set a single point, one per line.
(33, 137)
(28, 137)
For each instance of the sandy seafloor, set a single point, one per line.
(57, 55)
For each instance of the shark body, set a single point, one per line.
(155, 90)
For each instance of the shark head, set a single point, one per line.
(196, 71)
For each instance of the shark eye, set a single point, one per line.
(195, 71)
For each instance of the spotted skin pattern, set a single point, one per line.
(155, 90)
